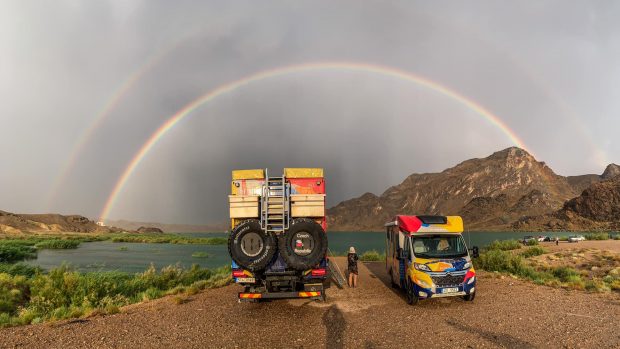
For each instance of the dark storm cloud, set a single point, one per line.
(549, 69)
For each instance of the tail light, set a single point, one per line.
(238, 273)
(318, 272)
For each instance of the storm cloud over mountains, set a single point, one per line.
(547, 69)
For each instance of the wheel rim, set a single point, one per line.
(302, 243)
(252, 244)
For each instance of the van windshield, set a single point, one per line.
(438, 246)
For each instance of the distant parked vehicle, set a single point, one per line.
(542, 238)
(548, 238)
(576, 238)
(527, 239)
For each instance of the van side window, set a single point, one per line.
(407, 249)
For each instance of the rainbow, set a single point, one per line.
(100, 116)
(292, 69)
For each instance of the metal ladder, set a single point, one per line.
(275, 205)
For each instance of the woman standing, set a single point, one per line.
(352, 267)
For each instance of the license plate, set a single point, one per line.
(450, 290)
(246, 280)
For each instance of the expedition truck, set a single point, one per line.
(426, 257)
(278, 243)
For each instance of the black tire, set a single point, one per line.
(250, 247)
(469, 297)
(312, 246)
(412, 298)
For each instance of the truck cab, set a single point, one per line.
(426, 256)
(277, 242)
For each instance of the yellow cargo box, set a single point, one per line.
(308, 205)
(248, 174)
(243, 206)
(303, 172)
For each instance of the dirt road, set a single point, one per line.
(506, 313)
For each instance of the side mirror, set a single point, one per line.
(475, 253)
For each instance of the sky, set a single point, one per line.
(84, 84)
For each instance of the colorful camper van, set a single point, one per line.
(426, 256)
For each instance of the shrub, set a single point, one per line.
(57, 244)
(14, 252)
(597, 236)
(372, 256)
(533, 251)
(532, 242)
(504, 245)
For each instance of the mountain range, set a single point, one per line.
(508, 190)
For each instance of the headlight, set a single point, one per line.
(467, 265)
(421, 267)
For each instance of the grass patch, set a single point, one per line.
(123, 248)
(533, 251)
(372, 256)
(57, 244)
(505, 245)
(533, 242)
(63, 293)
(597, 236)
(165, 239)
(200, 255)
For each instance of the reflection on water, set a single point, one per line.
(136, 257)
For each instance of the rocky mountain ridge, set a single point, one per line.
(491, 193)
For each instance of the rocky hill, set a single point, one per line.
(598, 207)
(12, 223)
(490, 193)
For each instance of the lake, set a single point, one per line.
(136, 257)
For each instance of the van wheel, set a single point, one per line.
(412, 298)
(469, 297)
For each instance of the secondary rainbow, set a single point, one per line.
(292, 69)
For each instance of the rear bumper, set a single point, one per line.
(280, 295)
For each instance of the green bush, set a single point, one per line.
(56, 244)
(372, 256)
(532, 242)
(533, 251)
(10, 253)
(504, 245)
(19, 269)
(597, 236)
(64, 293)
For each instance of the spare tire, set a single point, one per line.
(251, 247)
(303, 245)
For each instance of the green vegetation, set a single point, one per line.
(372, 256)
(10, 253)
(516, 264)
(57, 244)
(200, 255)
(123, 248)
(597, 236)
(533, 242)
(533, 251)
(505, 245)
(30, 296)
(165, 239)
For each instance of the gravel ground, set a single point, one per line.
(506, 313)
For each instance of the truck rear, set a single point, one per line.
(278, 243)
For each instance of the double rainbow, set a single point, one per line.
(287, 70)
